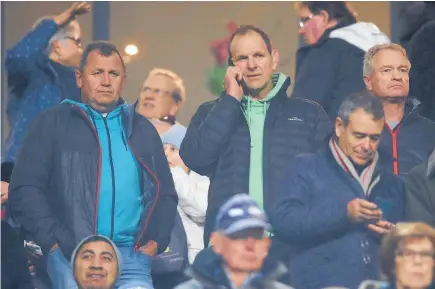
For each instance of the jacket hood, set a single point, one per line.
(89, 239)
(208, 269)
(361, 34)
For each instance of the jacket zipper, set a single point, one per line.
(394, 134)
(136, 246)
(112, 171)
(99, 168)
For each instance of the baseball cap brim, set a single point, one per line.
(240, 226)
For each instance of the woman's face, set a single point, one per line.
(414, 263)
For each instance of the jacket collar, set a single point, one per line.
(127, 113)
(209, 271)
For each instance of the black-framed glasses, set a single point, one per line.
(409, 254)
(304, 20)
(77, 41)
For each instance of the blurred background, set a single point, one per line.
(177, 35)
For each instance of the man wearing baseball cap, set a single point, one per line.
(238, 256)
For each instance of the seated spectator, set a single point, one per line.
(238, 257)
(40, 70)
(192, 190)
(14, 265)
(329, 68)
(334, 205)
(406, 258)
(96, 263)
(163, 94)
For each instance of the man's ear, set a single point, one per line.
(275, 59)
(339, 126)
(368, 82)
(216, 242)
(55, 47)
(79, 78)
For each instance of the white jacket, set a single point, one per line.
(192, 190)
(361, 34)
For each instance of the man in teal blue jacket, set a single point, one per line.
(95, 167)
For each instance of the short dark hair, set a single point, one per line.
(104, 48)
(364, 100)
(338, 10)
(245, 29)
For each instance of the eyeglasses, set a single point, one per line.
(160, 93)
(409, 255)
(304, 20)
(77, 41)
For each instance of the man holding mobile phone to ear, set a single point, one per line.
(244, 139)
(333, 206)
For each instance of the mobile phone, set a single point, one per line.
(384, 205)
(241, 82)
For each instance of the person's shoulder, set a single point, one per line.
(279, 285)
(190, 284)
(54, 113)
(305, 105)
(304, 102)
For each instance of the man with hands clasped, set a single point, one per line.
(333, 206)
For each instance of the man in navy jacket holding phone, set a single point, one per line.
(333, 206)
(244, 139)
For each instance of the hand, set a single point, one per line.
(54, 247)
(231, 85)
(381, 227)
(360, 210)
(149, 248)
(77, 9)
(4, 192)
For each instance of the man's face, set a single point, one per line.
(96, 266)
(390, 75)
(414, 264)
(156, 98)
(360, 139)
(70, 48)
(244, 254)
(250, 54)
(313, 25)
(101, 81)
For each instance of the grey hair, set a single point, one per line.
(61, 34)
(361, 100)
(372, 52)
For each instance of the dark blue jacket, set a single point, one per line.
(410, 143)
(422, 56)
(208, 273)
(217, 144)
(35, 83)
(331, 69)
(55, 183)
(310, 214)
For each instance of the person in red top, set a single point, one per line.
(408, 138)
